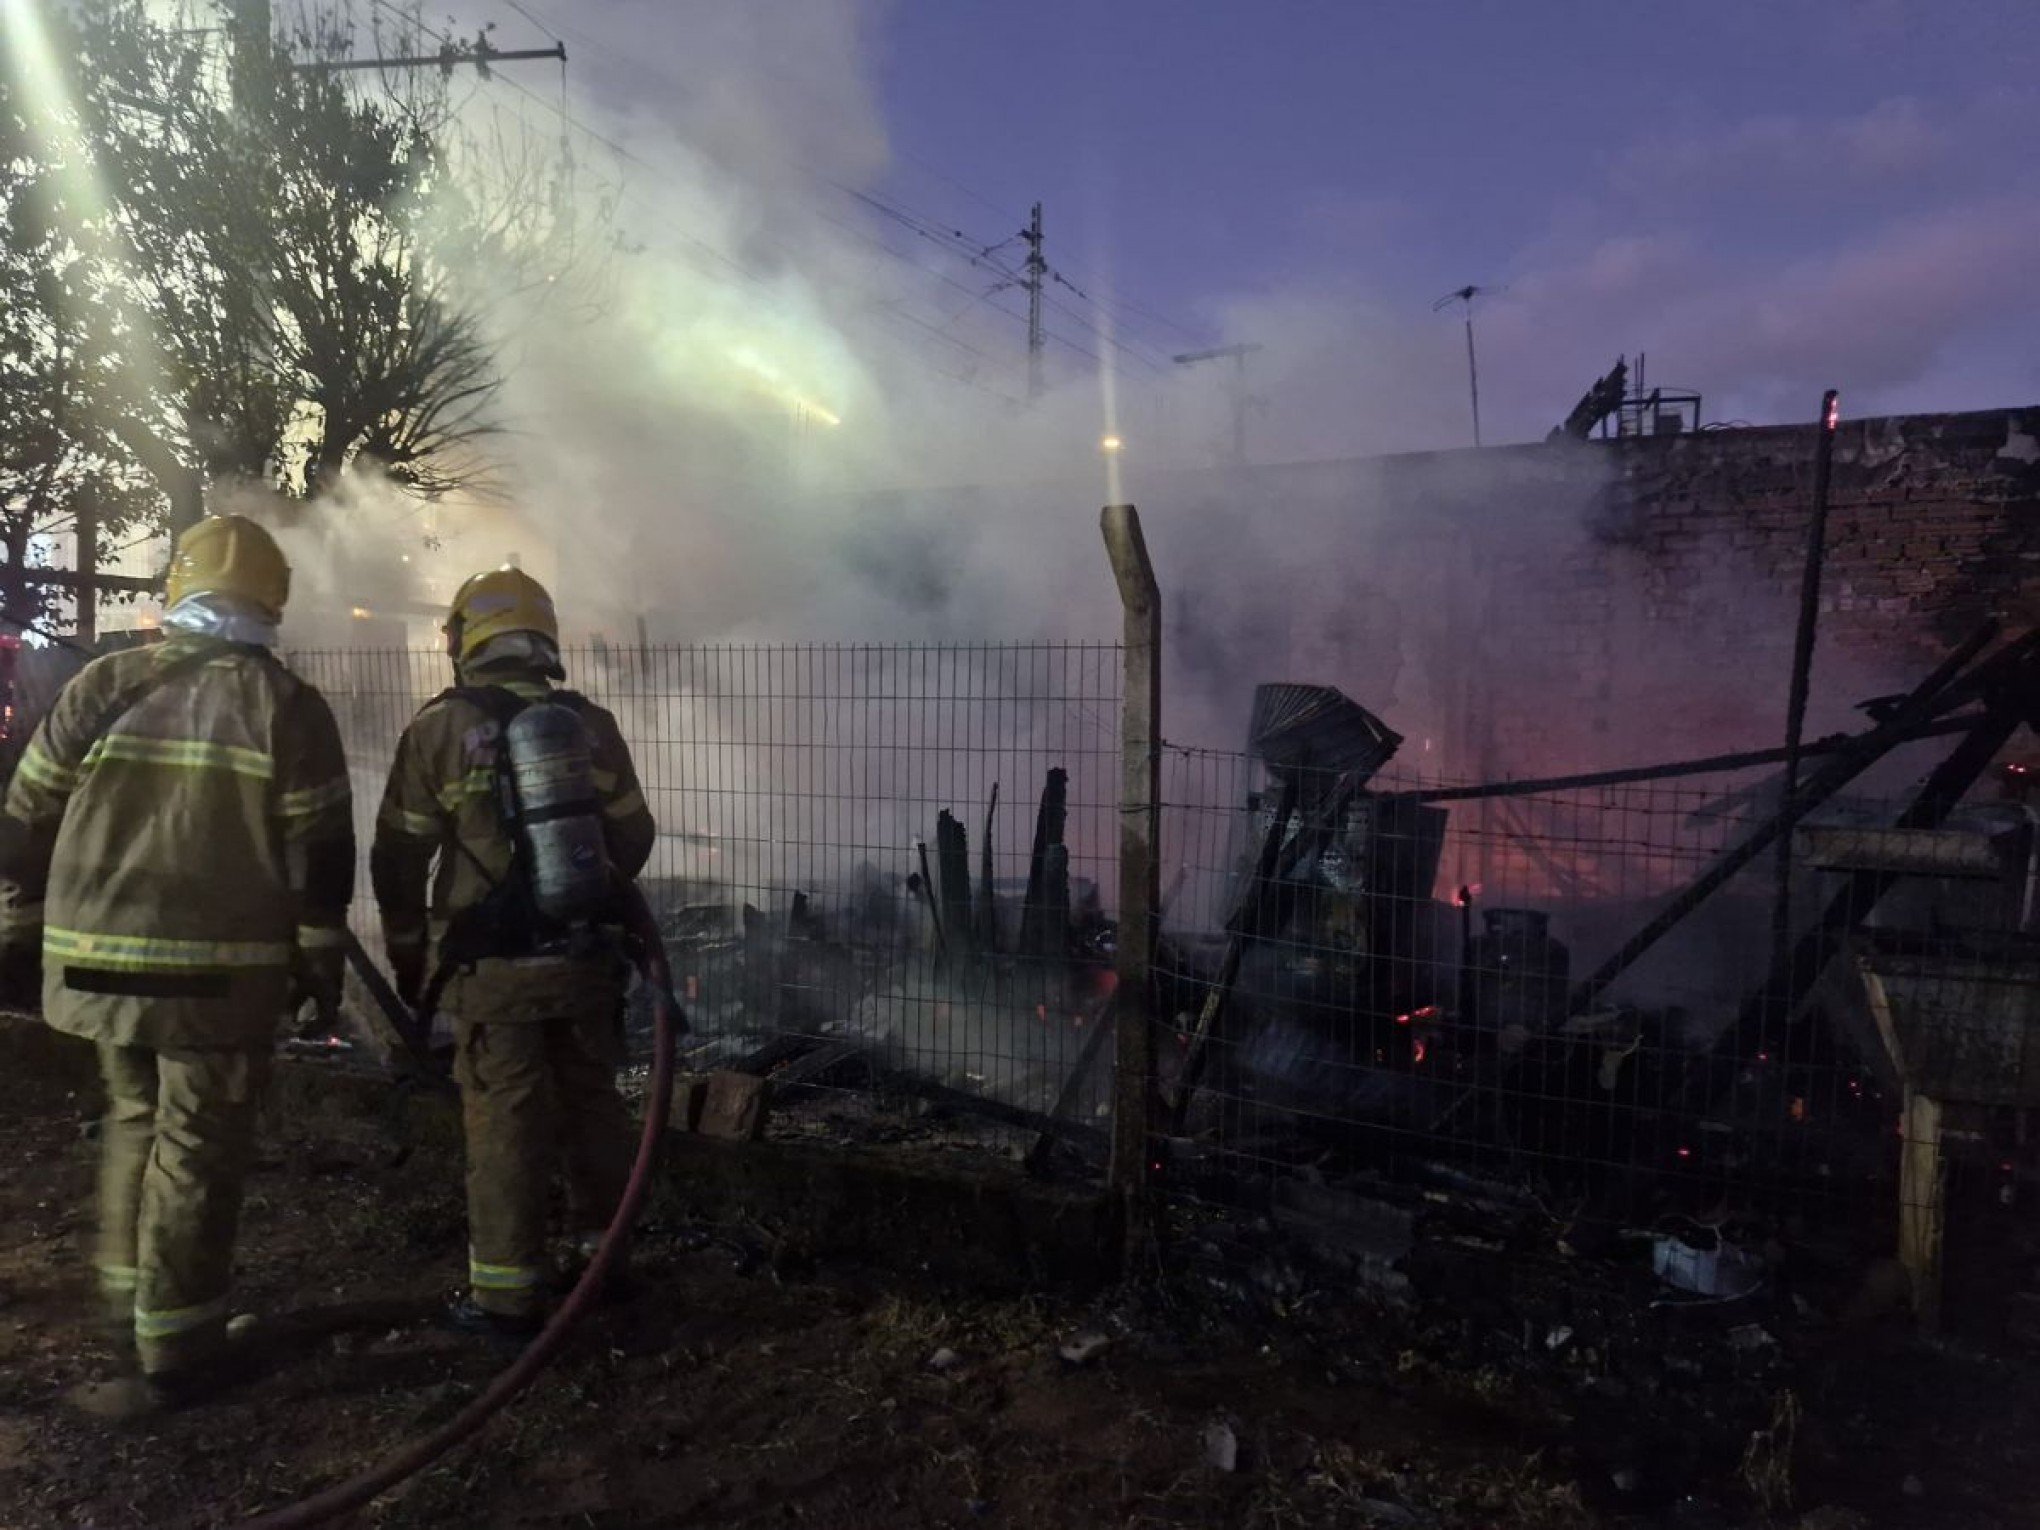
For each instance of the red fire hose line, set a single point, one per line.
(359, 1490)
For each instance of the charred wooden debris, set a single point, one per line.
(1343, 1007)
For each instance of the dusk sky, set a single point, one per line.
(1768, 198)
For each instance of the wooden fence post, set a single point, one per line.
(1140, 747)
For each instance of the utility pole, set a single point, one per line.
(87, 538)
(1037, 277)
(1241, 399)
(478, 53)
(250, 30)
(1466, 295)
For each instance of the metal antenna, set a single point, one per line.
(1466, 295)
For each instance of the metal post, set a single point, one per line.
(1140, 745)
(1472, 374)
(1465, 296)
(1239, 407)
(87, 538)
(1802, 658)
(1036, 268)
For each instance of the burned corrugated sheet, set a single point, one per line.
(1317, 728)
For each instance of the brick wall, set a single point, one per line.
(1520, 610)
(1935, 520)
(1686, 579)
(1658, 623)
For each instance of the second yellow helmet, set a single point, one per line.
(493, 603)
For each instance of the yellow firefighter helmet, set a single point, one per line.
(493, 603)
(230, 555)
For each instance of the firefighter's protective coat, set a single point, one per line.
(186, 862)
(537, 1034)
(180, 833)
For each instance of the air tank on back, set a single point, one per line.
(559, 813)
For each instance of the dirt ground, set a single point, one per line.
(749, 1385)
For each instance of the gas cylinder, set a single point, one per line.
(559, 815)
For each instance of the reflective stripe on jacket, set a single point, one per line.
(182, 858)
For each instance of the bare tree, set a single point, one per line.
(312, 271)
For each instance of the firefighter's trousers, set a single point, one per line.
(174, 1151)
(536, 1058)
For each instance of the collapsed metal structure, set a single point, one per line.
(1501, 1049)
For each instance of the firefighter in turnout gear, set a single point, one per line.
(178, 844)
(517, 943)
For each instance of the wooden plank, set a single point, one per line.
(1249, 918)
(1066, 1099)
(402, 1034)
(924, 883)
(1049, 822)
(985, 1107)
(1880, 1011)
(952, 866)
(988, 903)
(1922, 1185)
(814, 1064)
(734, 1107)
(1140, 793)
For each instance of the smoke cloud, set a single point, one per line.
(767, 414)
(752, 418)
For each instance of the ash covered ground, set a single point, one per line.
(1485, 1373)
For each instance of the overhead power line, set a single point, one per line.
(954, 240)
(688, 237)
(962, 245)
(944, 236)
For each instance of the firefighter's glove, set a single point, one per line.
(407, 972)
(21, 972)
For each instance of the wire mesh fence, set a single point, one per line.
(876, 865)
(1401, 976)
(891, 870)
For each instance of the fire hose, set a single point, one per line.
(669, 1022)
